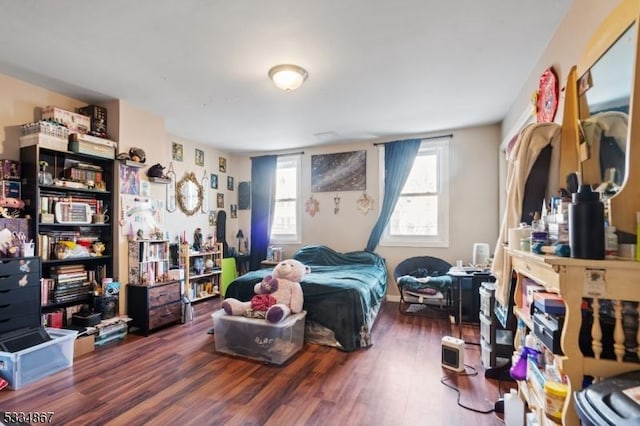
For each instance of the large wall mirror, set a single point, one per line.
(189, 193)
(607, 137)
(604, 93)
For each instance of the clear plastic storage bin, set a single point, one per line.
(28, 365)
(258, 339)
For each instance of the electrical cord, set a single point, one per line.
(474, 372)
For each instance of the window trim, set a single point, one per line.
(297, 238)
(441, 147)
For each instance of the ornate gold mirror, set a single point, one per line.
(617, 36)
(189, 193)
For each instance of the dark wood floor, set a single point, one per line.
(175, 376)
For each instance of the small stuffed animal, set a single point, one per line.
(278, 295)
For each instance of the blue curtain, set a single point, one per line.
(263, 188)
(398, 161)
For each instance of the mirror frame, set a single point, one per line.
(626, 202)
(189, 178)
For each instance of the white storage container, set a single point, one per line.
(28, 365)
(44, 141)
(258, 339)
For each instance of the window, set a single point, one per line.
(421, 215)
(286, 220)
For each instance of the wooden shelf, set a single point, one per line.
(208, 296)
(133, 163)
(159, 180)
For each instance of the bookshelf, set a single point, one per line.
(75, 251)
(148, 261)
(202, 272)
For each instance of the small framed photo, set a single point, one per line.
(145, 188)
(234, 211)
(176, 150)
(222, 164)
(220, 200)
(229, 183)
(214, 181)
(199, 157)
(212, 218)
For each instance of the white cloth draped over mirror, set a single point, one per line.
(531, 141)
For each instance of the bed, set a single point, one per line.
(342, 295)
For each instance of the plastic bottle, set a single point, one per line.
(519, 370)
(611, 243)
(513, 409)
(586, 224)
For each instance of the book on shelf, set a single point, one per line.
(72, 285)
(69, 277)
(46, 290)
(67, 269)
(71, 297)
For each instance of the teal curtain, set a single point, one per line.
(263, 190)
(398, 161)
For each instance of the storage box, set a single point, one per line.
(76, 123)
(98, 118)
(48, 128)
(83, 345)
(17, 224)
(10, 189)
(85, 144)
(44, 141)
(31, 364)
(258, 339)
(9, 169)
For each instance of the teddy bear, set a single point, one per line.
(277, 296)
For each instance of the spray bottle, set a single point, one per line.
(519, 370)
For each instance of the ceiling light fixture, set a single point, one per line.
(288, 77)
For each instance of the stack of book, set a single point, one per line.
(71, 283)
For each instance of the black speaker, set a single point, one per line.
(108, 306)
(244, 195)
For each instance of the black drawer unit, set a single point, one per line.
(20, 305)
(153, 306)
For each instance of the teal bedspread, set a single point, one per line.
(343, 291)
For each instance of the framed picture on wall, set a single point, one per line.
(199, 157)
(214, 181)
(222, 164)
(229, 183)
(220, 201)
(234, 210)
(176, 151)
(342, 171)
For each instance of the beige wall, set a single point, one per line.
(21, 103)
(473, 209)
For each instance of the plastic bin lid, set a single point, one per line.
(613, 401)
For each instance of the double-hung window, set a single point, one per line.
(421, 215)
(286, 221)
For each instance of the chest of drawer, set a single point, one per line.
(163, 294)
(165, 314)
(18, 281)
(18, 266)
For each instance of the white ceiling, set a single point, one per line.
(377, 68)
